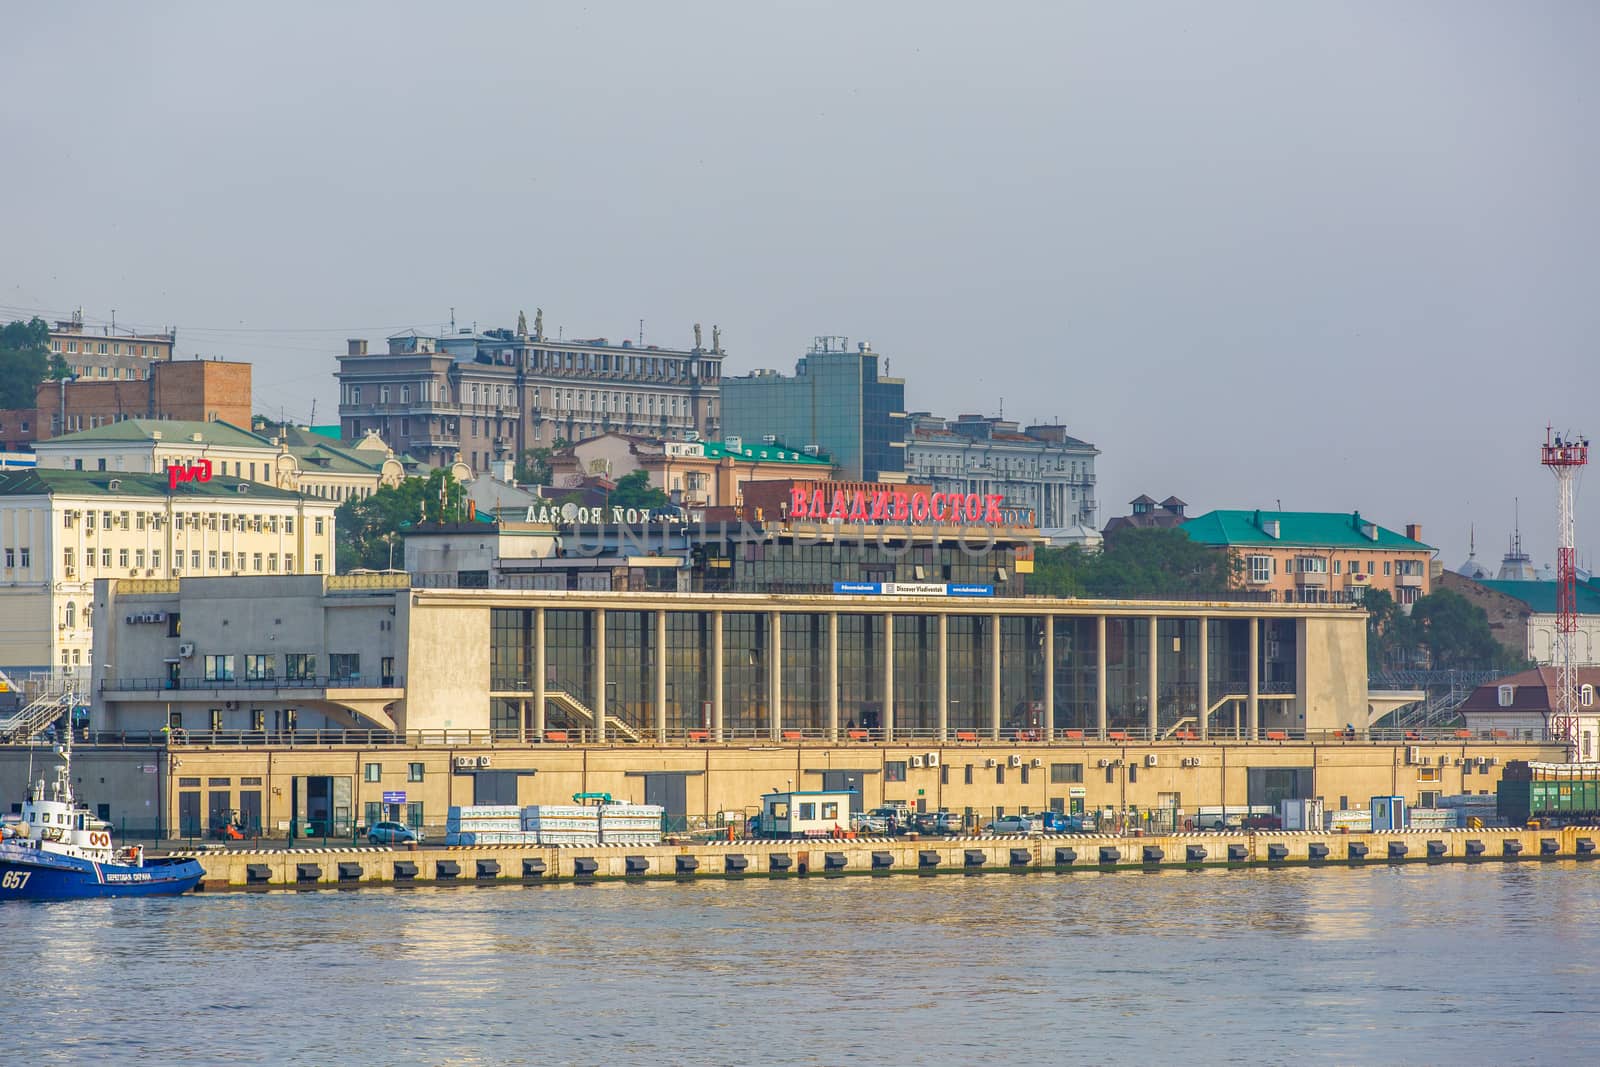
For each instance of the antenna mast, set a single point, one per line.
(1565, 459)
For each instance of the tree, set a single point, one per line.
(533, 467)
(369, 529)
(24, 362)
(1455, 633)
(635, 491)
(1138, 563)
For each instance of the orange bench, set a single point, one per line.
(555, 735)
(857, 735)
(791, 735)
(966, 735)
(1186, 735)
(1465, 735)
(699, 735)
(1117, 735)
(1277, 735)
(1073, 735)
(1499, 735)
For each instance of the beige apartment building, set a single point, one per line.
(289, 458)
(62, 529)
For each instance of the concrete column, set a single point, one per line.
(1205, 677)
(1100, 676)
(538, 674)
(1049, 678)
(661, 676)
(1253, 701)
(775, 674)
(994, 677)
(944, 677)
(833, 676)
(716, 676)
(599, 704)
(888, 677)
(1154, 686)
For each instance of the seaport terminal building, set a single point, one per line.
(348, 698)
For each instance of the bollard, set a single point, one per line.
(446, 870)
(349, 872)
(882, 861)
(487, 869)
(635, 866)
(1109, 855)
(1317, 852)
(779, 863)
(1585, 846)
(1511, 849)
(1277, 853)
(834, 862)
(735, 863)
(533, 868)
(1238, 854)
(686, 865)
(1398, 850)
(1549, 846)
(927, 861)
(1066, 857)
(1356, 852)
(1438, 850)
(257, 875)
(584, 868)
(1021, 859)
(1195, 853)
(973, 858)
(405, 871)
(1152, 855)
(1475, 850)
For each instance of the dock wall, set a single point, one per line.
(351, 868)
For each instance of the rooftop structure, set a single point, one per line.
(1146, 514)
(107, 353)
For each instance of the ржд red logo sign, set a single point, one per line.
(188, 472)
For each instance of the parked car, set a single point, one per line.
(1013, 824)
(1054, 822)
(1261, 822)
(869, 822)
(392, 833)
(948, 822)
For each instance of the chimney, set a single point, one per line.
(1414, 531)
(358, 346)
(501, 470)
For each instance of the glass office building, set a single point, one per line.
(836, 400)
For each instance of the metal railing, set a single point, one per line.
(265, 685)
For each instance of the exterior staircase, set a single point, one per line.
(564, 696)
(46, 708)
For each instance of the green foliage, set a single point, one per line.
(635, 491)
(1136, 563)
(533, 467)
(1445, 631)
(367, 527)
(24, 362)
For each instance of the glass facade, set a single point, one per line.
(797, 565)
(835, 400)
(633, 652)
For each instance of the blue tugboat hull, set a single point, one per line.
(26, 874)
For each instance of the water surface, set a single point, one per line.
(1496, 963)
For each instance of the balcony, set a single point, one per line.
(1312, 579)
(1408, 581)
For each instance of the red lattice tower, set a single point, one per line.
(1565, 458)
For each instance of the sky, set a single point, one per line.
(1333, 257)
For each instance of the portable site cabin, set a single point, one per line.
(815, 813)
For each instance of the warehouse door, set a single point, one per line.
(838, 781)
(671, 792)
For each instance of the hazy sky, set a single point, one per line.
(1342, 256)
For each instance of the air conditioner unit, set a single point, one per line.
(186, 650)
(988, 763)
(483, 761)
(933, 759)
(1037, 762)
(916, 761)
(1150, 759)
(1494, 761)
(1480, 761)
(1016, 761)
(1444, 761)
(1413, 754)
(1458, 761)
(1104, 763)
(465, 763)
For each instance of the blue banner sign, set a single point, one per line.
(395, 797)
(910, 589)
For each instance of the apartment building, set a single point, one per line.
(62, 529)
(479, 397)
(1041, 469)
(1313, 557)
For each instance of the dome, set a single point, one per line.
(1474, 570)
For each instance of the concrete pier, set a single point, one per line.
(1059, 853)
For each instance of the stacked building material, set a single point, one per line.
(486, 824)
(562, 824)
(630, 824)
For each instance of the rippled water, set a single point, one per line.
(1483, 964)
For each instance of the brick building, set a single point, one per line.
(191, 390)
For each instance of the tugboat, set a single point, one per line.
(58, 850)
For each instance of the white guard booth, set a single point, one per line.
(805, 814)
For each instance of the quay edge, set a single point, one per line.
(351, 868)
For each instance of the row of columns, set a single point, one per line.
(1252, 709)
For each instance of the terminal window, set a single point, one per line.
(1066, 773)
(894, 771)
